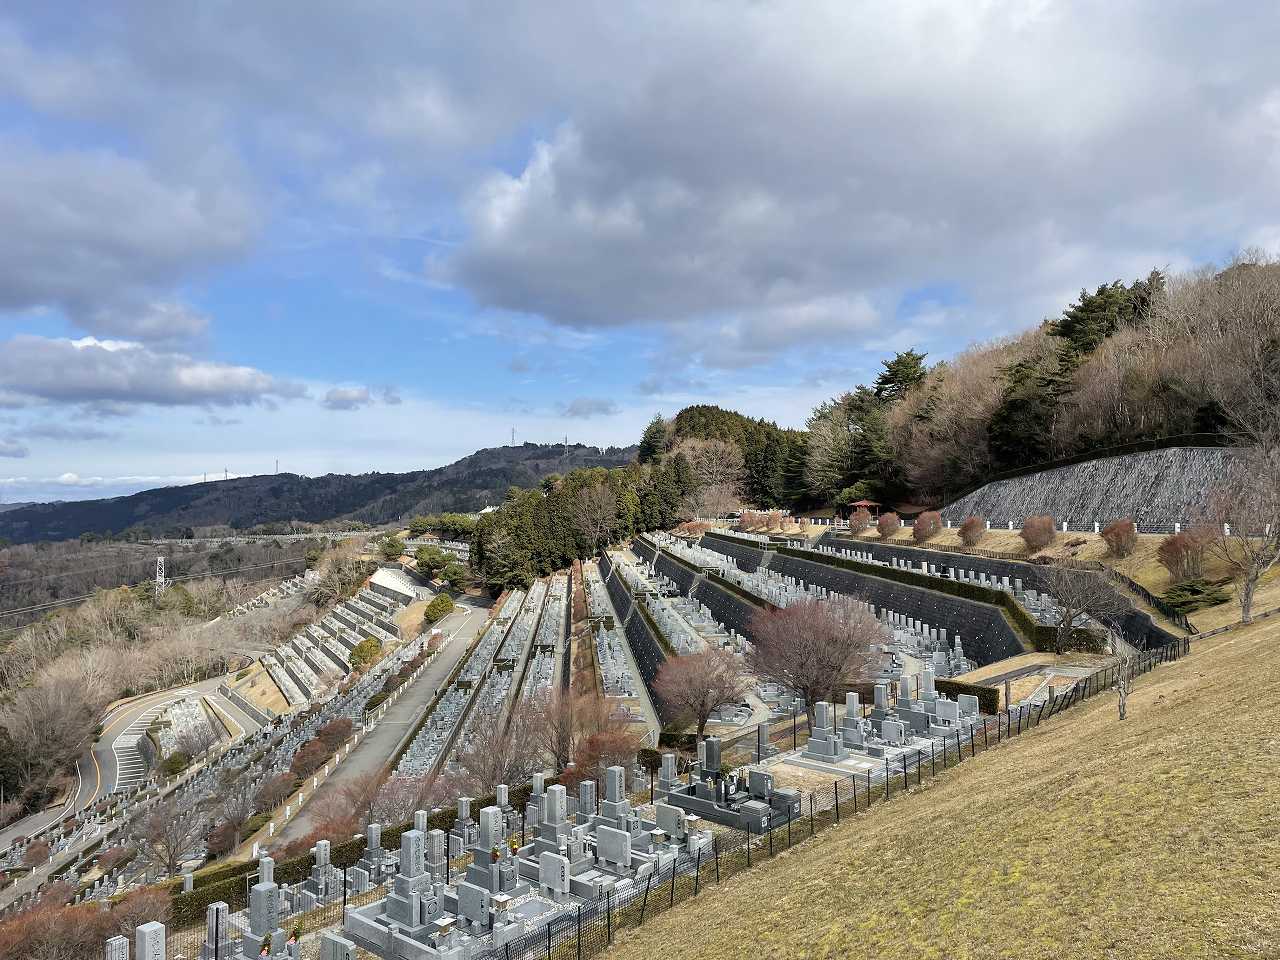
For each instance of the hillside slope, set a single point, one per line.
(468, 484)
(1087, 838)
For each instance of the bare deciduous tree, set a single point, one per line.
(166, 834)
(1081, 593)
(1245, 512)
(815, 648)
(596, 514)
(556, 724)
(718, 470)
(235, 802)
(492, 753)
(696, 685)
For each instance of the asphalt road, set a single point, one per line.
(110, 765)
(377, 746)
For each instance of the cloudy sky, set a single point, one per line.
(379, 235)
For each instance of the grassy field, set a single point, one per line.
(1086, 838)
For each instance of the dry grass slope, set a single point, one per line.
(1086, 838)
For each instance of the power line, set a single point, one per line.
(148, 560)
(50, 604)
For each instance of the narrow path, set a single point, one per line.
(376, 747)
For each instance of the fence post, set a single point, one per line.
(715, 848)
(812, 830)
(579, 931)
(771, 840)
(673, 886)
(933, 758)
(905, 784)
(888, 776)
(608, 916)
(643, 904)
(748, 848)
(855, 799)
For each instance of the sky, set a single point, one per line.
(381, 235)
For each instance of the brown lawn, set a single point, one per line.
(1086, 838)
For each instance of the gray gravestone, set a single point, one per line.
(148, 941)
(613, 846)
(490, 822)
(554, 810)
(412, 853)
(615, 784)
(334, 947)
(117, 948)
(586, 797)
(553, 874)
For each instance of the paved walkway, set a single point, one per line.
(376, 747)
(107, 767)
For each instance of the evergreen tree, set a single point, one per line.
(654, 440)
(899, 375)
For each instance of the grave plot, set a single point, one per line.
(987, 635)
(746, 799)
(511, 892)
(1024, 581)
(622, 640)
(429, 746)
(898, 732)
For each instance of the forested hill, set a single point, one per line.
(473, 482)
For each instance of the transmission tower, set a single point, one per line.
(161, 583)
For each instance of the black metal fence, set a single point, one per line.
(592, 927)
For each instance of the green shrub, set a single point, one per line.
(175, 763)
(988, 697)
(256, 823)
(439, 608)
(1192, 595)
(377, 700)
(366, 653)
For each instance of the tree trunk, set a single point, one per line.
(1247, 585)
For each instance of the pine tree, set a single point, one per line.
(654, 440)
(899, 375)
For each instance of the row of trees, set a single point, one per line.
(450, 526)
(1123, 362)
(818, 649)
(536, 532)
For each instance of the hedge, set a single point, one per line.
(190, 907)
(1039, 636)
(1025, 624)
(733, 588)
(988, 697)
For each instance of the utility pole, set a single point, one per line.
(224, 473)
(513, 436)
(277, 464)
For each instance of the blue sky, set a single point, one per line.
(380, 235)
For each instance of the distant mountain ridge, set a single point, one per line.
(469, 484)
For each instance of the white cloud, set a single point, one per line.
(91, 232)
(93, 371)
